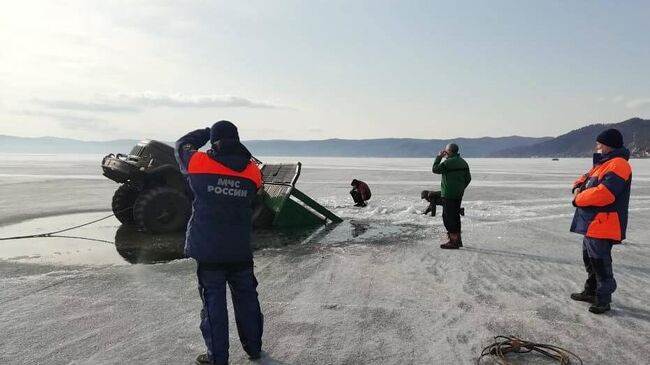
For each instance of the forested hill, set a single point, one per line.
(581, 142)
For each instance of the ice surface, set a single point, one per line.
(375, 289)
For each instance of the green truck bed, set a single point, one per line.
(281, 204)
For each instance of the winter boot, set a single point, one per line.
(599, 308)
(454, 242)
(203, 360)
(584, 296)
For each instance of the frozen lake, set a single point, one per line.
(375, 289)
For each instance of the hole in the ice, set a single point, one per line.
(138, 247)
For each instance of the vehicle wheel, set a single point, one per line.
(162, 210)
(123, 201)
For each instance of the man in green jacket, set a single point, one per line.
(455, 179)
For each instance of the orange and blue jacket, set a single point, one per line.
(604, 196)
(224, 183)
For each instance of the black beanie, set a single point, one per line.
(611, 137)
(223, 130)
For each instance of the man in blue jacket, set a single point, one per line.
(602, 199)
(224, 182)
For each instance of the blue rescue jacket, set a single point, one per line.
(604, 197)
(224, 182)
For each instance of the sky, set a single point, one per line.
(102, 69)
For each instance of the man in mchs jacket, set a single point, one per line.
(602, 198)
(224, 182)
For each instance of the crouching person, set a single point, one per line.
(434, 198)
(601, 198)
(224, 182)
(360, 193)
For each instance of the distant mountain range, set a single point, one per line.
(581, 142)
(390, 147)
(47, 145)
(578, 143)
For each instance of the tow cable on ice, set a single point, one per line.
(54, 233)
(505, 345)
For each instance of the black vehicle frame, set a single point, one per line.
(153, 193)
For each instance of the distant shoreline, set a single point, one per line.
(578, 143)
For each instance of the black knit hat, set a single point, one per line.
(611, 137)
(223, 130)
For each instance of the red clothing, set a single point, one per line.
(603, 200)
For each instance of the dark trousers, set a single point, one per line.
(356, 196)
(214, 315)
(451, 214)
(597, 257)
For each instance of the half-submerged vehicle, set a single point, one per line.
(155, 197)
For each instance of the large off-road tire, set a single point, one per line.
(123, 201)
(162, 210)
